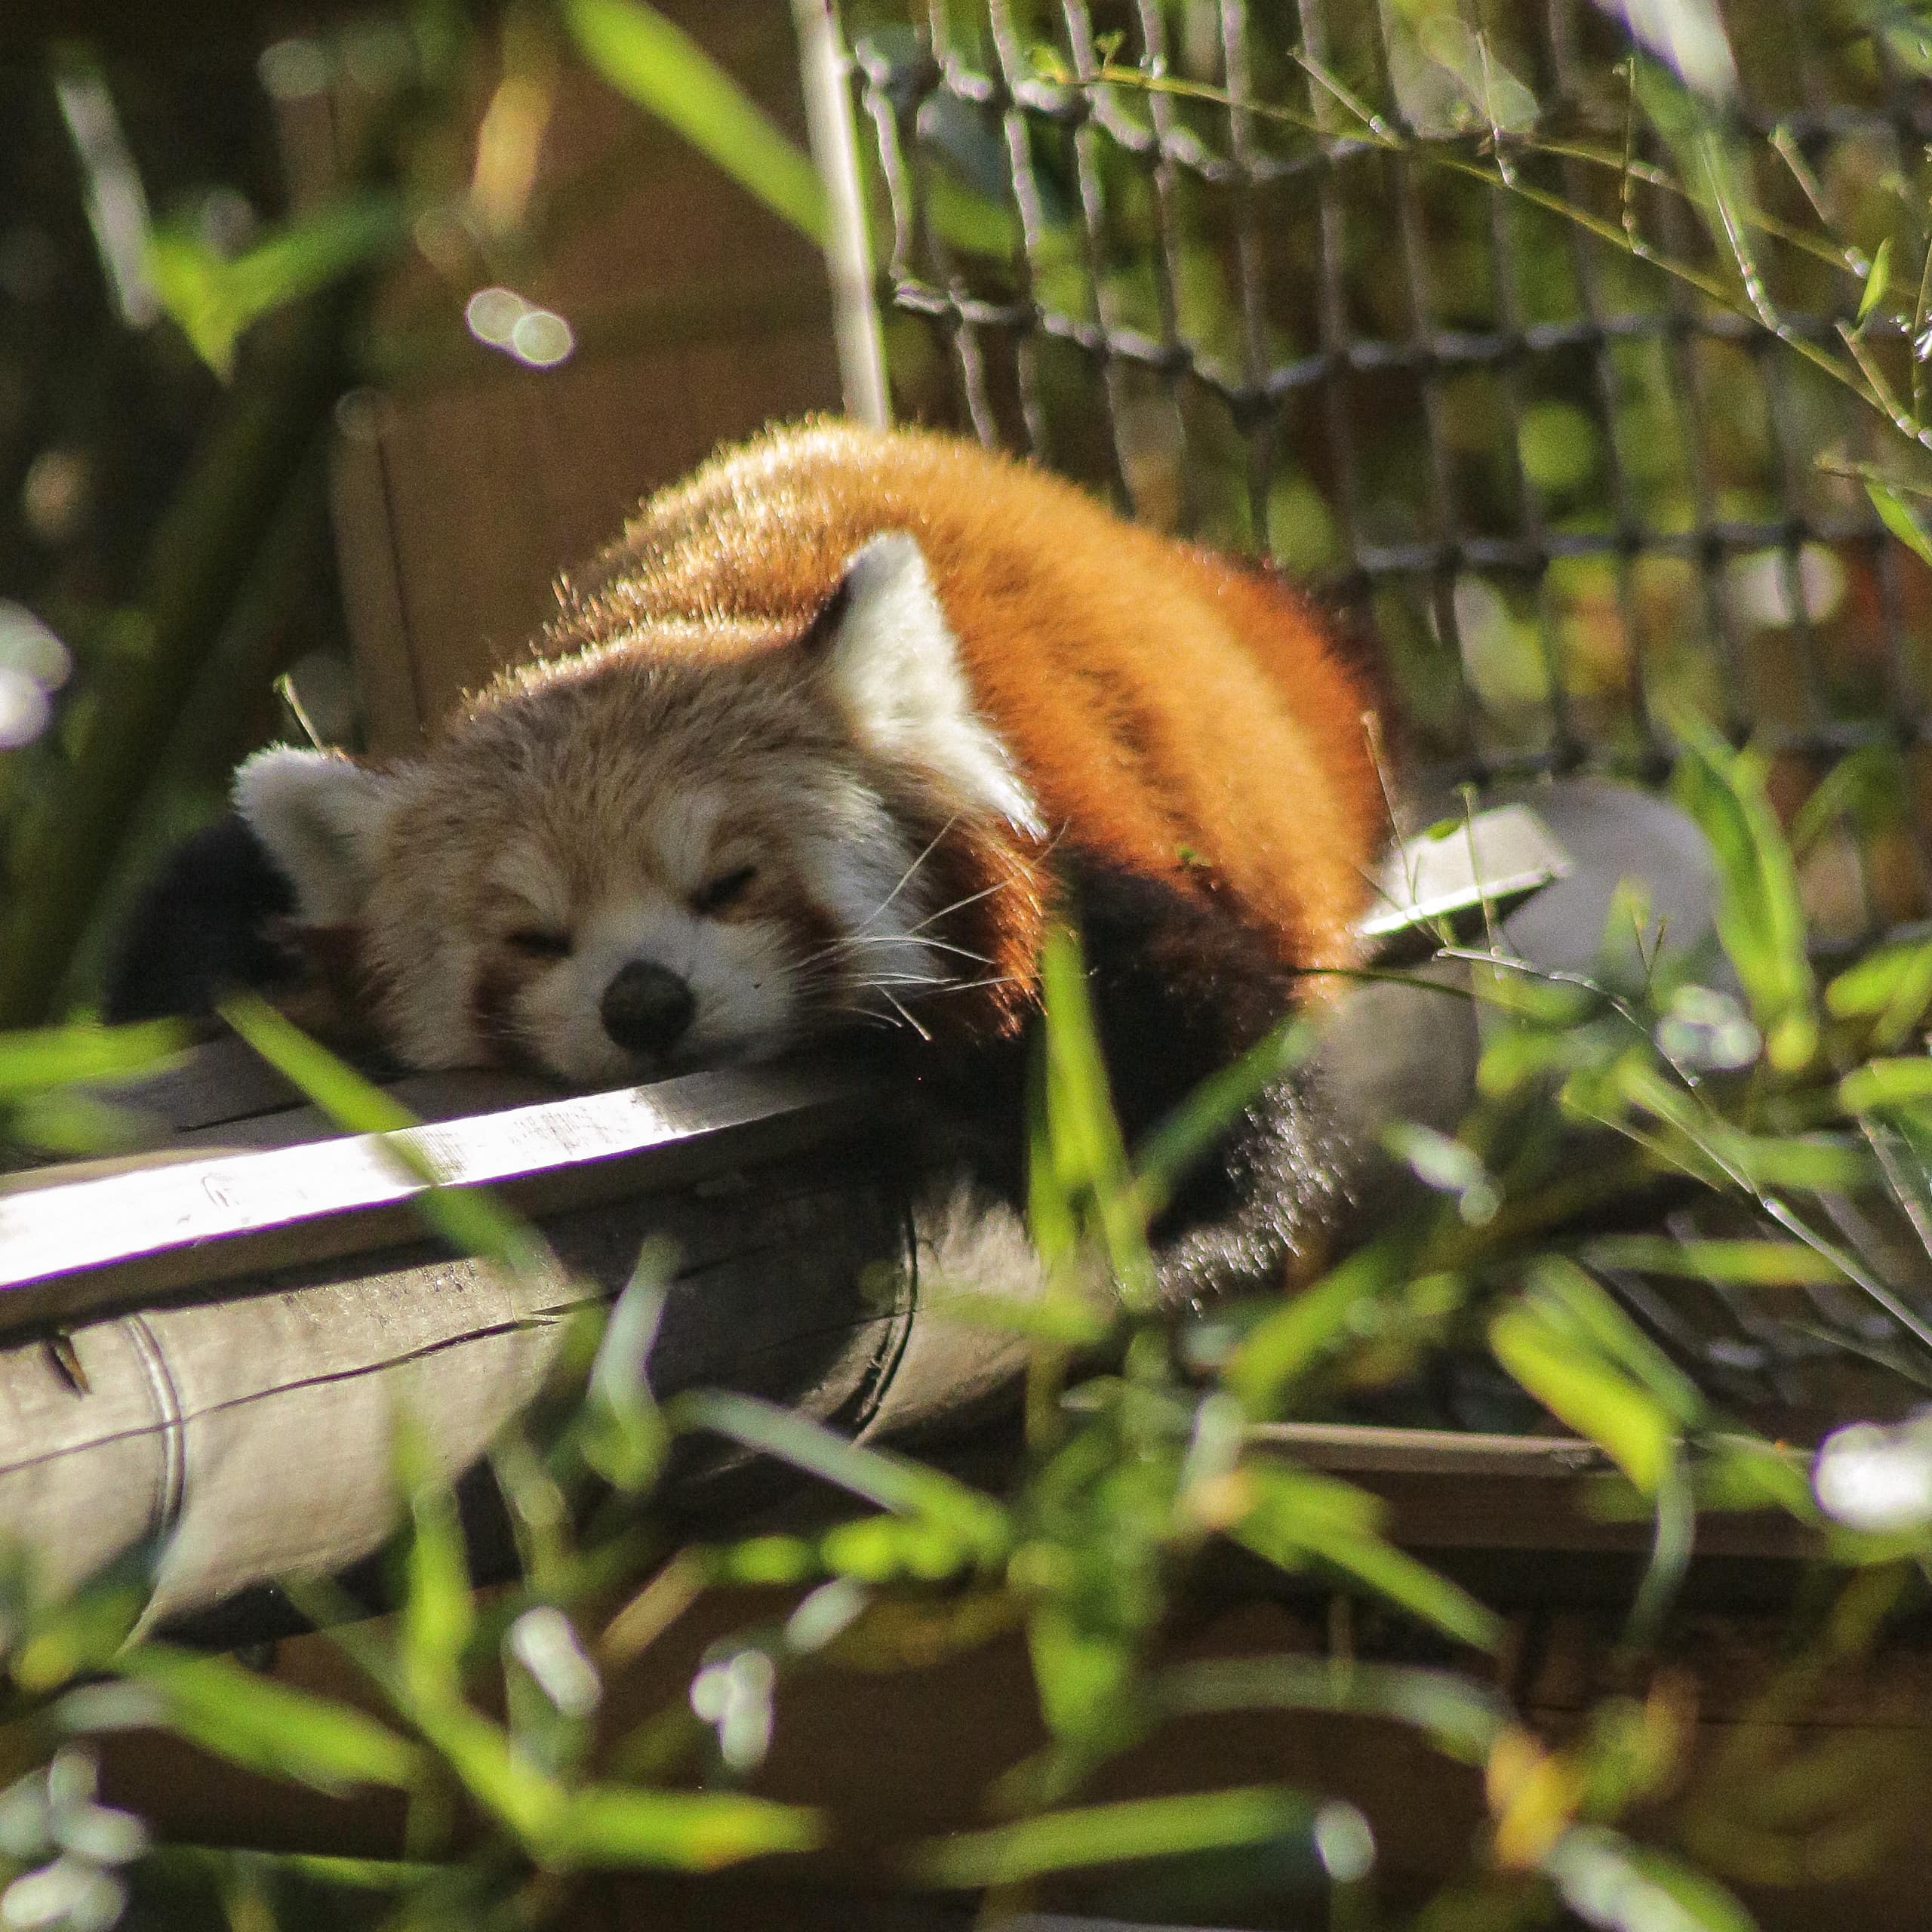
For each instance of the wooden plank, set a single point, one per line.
(1448, 1490)
(1358, 1448)
(243, 1437)
(68, 1249)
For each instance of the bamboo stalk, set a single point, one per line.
(823, 70)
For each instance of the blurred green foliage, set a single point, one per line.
(1568, 355)
(155, 613)
(1754, 1100)
(483, 1710)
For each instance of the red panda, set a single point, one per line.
(821, 744)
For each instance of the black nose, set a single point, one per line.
(646, 1008)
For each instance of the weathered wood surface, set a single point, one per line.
(68, 1247)
(274, 1311)
(1449, 1490)
(243, 1439)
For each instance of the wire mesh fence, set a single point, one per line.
(1419, 302)
(1402, 297)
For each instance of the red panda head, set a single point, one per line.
(680, 849)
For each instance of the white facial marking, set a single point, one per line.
(895, 662)
(737, 972)
(523, 876)
(428, 1006)
(859, 865)
(681, 827)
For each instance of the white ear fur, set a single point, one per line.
(895, 665)
(319, 814)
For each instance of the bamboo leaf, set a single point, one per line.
(1108, 1833)
(1087, 1162)
(264, 1725)
(1625, 1420)
(1295, 1515)
(1609, 1882)
(438, 1614)
(613, 1825)
(1883, 1085)
(1896, 516)
(216, 300)
(1892, 987)
(1878, 279)
(1564, 1295)
(893, 1482)
(48, 1058)
(1760, 915)
(1868, 786)
(1304, 1329)
(1505, 103)
(657, 65)
(1461, 1718)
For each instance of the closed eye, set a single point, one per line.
(538, 942)
(724, 890)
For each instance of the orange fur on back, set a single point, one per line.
(1189, 720)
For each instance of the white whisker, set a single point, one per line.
(932, 845)
(908, 1020)
(893, 939)
(959, 905)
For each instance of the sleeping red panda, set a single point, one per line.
(820, 745)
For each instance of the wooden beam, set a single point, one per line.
(69, 1248)
(1448, 1490)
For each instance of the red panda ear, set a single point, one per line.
(894, 666)
(820, 633)
(319, 815)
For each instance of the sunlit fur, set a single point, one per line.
(927, 693)
(1186, 716)
(596, 804)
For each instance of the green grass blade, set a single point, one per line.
(438, 1614)
(1295, 1515)
(892, 1482)
(1878, 279)
(1760, 916)
(1110, 1834)
(1896, 516)
(1743, 1263)
(1083, 1144)
(47, 1058)
(612, 1825)
(264, 1725)
(1461, 1718)
(658, 66)
(215, 300)
(1565, 1295)
(1288, 1343)
(1579, 1388)
(1623, 1887)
